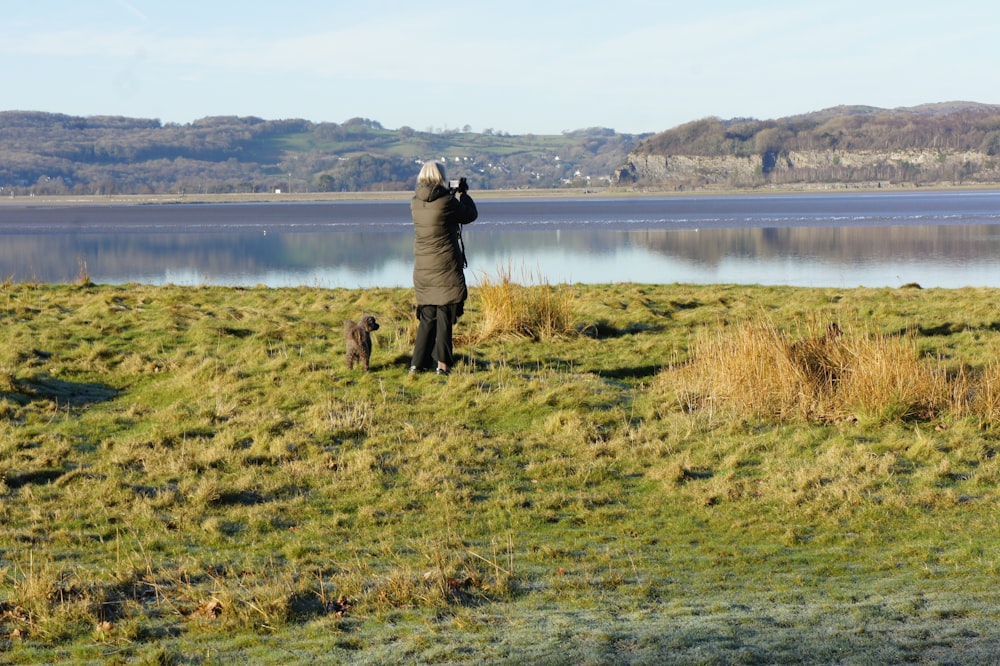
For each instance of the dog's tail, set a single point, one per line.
(353, 331)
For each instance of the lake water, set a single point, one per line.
(935, 239)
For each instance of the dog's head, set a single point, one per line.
(368, 323)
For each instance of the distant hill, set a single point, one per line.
(951, 142)
(46, 153)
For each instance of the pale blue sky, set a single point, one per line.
(542, 66)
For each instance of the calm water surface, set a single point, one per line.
(935, 239)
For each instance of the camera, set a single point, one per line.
(459, 185)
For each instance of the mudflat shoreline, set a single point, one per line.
(404, 195)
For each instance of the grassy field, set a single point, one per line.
(613, 474)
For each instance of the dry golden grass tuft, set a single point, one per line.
(886, 377)
(829, 373)
(536, 311)
(985, 394)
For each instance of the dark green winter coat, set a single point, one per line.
(438, 260)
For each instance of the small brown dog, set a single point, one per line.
(358, 338)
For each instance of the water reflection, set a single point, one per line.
(933, 240)
(945, 256)
(934, 256)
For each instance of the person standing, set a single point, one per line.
(438, 211)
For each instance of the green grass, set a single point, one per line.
(192, 476)
(425, 142)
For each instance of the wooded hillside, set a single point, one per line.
(935, 143)
(45, 153)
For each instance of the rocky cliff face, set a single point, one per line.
(801, 167)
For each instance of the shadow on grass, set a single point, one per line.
(34, 477)
(638, 372)
(948, 328)
(240, 498)
(603, 330)
(61, 392)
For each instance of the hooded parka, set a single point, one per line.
(438, 259)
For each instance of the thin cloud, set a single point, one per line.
(133, 10)
(73, 44)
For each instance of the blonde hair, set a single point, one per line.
(432, 173)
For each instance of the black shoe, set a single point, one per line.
(443, 372)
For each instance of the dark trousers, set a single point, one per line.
(435, 324)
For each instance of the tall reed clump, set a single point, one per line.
(984, 401)
(534, 311)
(757, 369)
(886, 377)
(746, 369)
